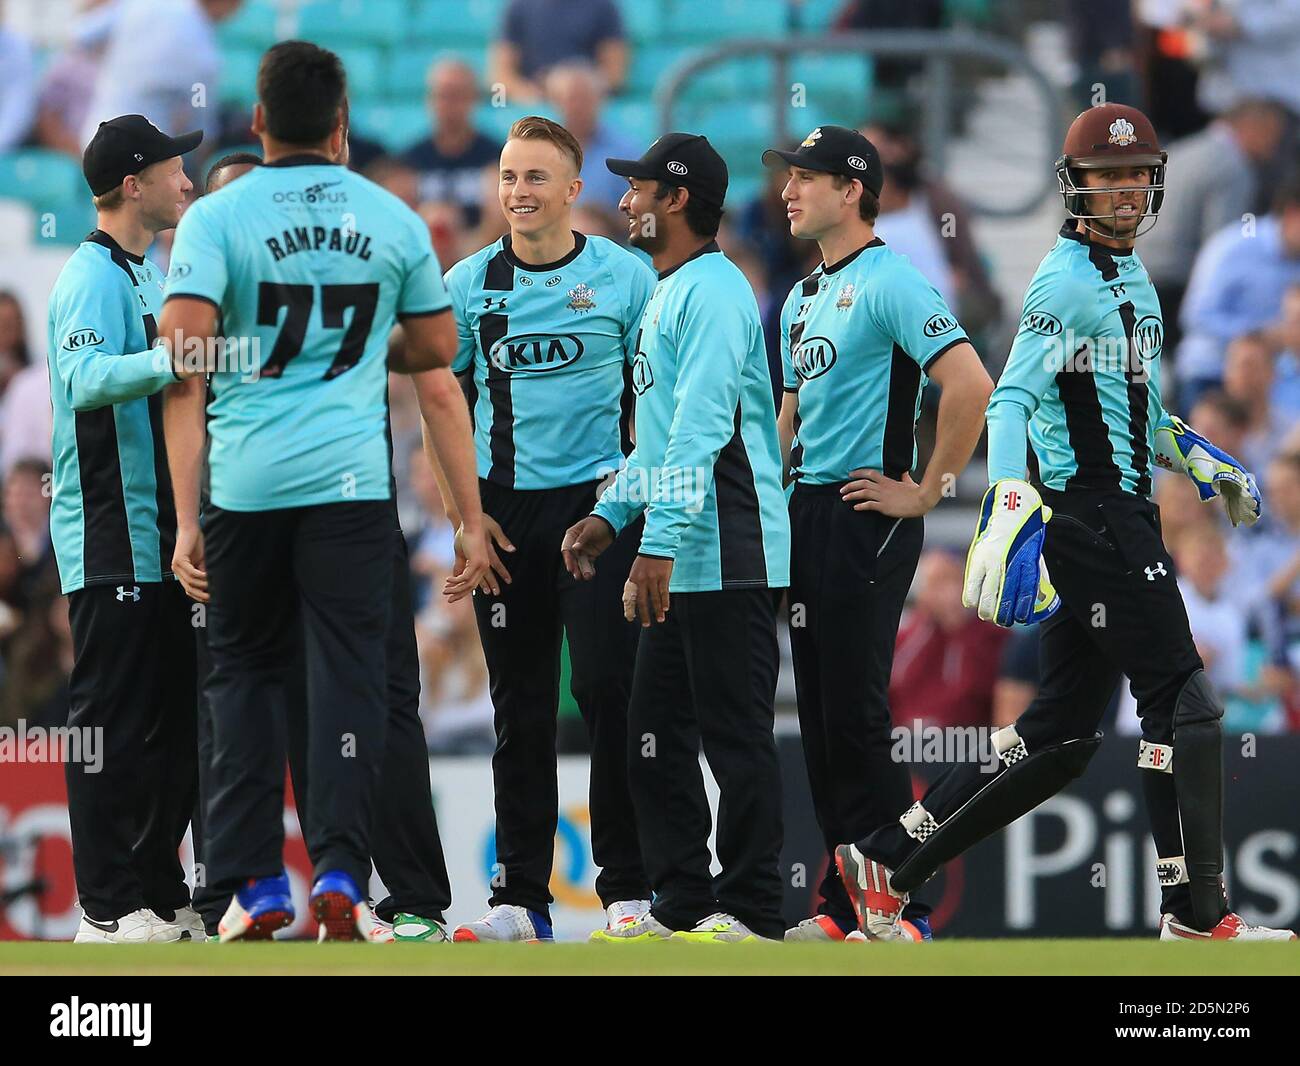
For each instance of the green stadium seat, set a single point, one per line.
(634, 118)
(49, 181)
(462, 21)
(717, 20)
(496, 121)
(407, 67)
(830, 74)
(816, 16)
(643, 20)
(239, 74)
(335, 23)
(395, 126)
(70, 223)
(254, 25)
(365, 70)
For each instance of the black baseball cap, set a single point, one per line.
(126, 145)
(684, 159)
(835, 150)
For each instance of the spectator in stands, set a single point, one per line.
(577, 92)
(1219, 620)
(906, 225)
(945, 658)
(68, 83)
(1254, 51)
(450, 162)
(180, 38)
(1100, 32)
(17, 87)
(975, 300)
(1236, 287)
(27, 517)
(1286, 337)
(1166, 48)
(1248, 379)
(13, 338)
(399, 178)
(1215, 185)
(891, 75)
(537, 35)
(26, 420)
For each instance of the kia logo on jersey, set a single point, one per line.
(939, 325)
(1042, 323)
(813, 357)
(535, 353)
(1149, 334)
(82, 338)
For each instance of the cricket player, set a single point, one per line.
(316, 264)
(1083, 379)
(112, 521)
(547, 321)
(860, 337)
(706, 474)
(405, 843)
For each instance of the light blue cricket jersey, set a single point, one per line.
(316, 264)
(706, 469)
(857, 338)
(112, 518)
(542, 353)
(1084, 373)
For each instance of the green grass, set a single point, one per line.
(1093, 957)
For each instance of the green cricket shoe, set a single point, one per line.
(720, 929)
(412, 928)
(643, 929)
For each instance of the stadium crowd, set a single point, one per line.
(1218, 80)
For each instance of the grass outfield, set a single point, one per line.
(971, 957)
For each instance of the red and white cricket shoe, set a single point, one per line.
(878, 905)
(1230, 927)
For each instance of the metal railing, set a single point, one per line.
(937, 50)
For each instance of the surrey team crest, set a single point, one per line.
(1122, 133)
(845, 300)
(582, 298)
(812, 138)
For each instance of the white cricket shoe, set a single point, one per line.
(720, 928)
(622, 911)
(187, 922)
(138, 927)
(1230, 927)
(506, 923)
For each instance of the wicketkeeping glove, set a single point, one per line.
(1213, 472)
(1006, 577)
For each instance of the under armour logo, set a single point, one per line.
(1156, 571)
(1117, 290)
(122, 594)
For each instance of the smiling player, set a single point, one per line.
(547, 321)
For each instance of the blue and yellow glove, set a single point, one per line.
(1006, 577)
(1214, 472)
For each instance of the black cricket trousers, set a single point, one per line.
(1121, 614)
(404, 838)
(133, 680)
(329, 569)
(850, 572)
(707, 675)
(521, 634)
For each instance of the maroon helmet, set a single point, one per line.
(1111, 135)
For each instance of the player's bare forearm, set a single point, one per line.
(966, 390)
(785, 430)
(184, 432)
(428, 342)
(449, 444)
(186, 327)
